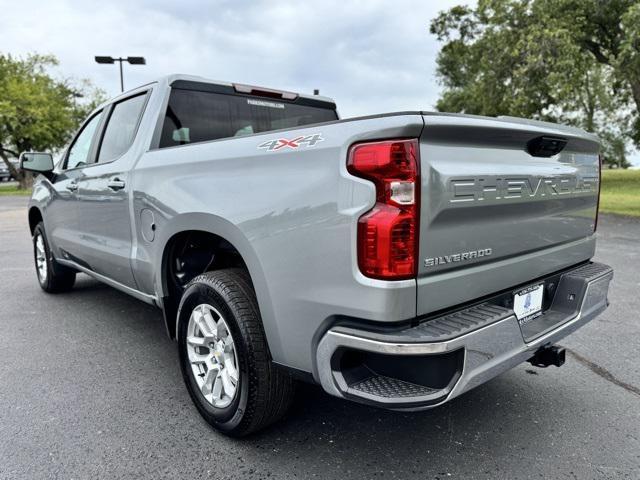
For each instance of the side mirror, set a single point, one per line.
(36, 162)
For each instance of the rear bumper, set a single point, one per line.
(449, 355)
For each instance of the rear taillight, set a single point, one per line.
(595, 224)
(388, 233)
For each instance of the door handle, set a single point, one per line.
(116, 184)
(72, 186)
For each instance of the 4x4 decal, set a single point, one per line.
(301, 141)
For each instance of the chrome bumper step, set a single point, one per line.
(387, 387)
(473, 345)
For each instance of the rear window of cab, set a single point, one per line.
(194, 116)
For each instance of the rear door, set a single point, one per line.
(497, 209)
(103, 196)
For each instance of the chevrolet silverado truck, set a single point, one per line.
(397, 260)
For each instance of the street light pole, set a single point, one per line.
(121, 76)
(112, 60)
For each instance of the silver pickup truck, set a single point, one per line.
(397, 260)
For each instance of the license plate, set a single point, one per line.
(527, 303)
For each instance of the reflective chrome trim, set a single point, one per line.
(489, 351)
(150, 299)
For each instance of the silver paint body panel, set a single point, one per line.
(466, 206)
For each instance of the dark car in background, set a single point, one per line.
(5, 173)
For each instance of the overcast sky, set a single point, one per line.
(370, 56)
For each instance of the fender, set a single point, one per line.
(231, 233)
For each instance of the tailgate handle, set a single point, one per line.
(546, 146)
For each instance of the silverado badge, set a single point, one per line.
(457, 257)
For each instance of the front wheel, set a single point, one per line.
(52, 277)
(224, 356)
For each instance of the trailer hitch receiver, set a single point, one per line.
(548, 355)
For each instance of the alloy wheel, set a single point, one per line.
(41, 259)
(213, 356)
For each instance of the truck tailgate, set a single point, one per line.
(493, 215)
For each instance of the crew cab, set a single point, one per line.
(397, 260)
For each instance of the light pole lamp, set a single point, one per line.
(130, 60)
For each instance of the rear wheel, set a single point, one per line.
(52, 276)
(224, 356)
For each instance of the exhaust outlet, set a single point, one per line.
(548, 355)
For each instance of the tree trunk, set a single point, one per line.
(634, 83)
(24, 180)
(635, 91)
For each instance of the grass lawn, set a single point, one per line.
(13, 190)
(620, 192)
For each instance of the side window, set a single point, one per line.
(121, 128)
(81, 148)
(195, 117)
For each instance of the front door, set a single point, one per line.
(62, 209)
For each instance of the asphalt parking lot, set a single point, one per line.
(90, 388)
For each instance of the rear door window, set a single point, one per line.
(121, 128)
(193, 116)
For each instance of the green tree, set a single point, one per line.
(37, 111)
(614, 149)
(572, 61)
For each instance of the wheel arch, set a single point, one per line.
(35, 217)
(225, 231)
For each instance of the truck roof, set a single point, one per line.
(179, 78)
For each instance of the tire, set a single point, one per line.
(54, 278)
(263, 392)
